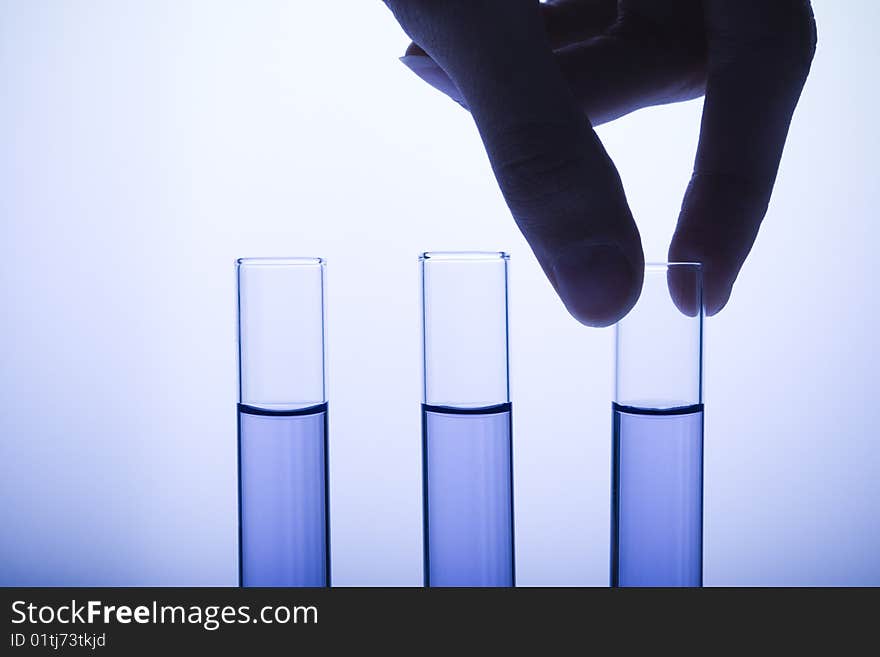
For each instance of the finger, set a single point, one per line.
(566, 22)
(572, 21)
(759, 57)
(556, 177)
(610, 75)
(614, 74)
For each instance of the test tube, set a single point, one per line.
(657, 444)
(282, 423)
(466, 421)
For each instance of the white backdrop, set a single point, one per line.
(144, 145)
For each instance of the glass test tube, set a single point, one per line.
(657, 462)
(282, 424)
(466, 421)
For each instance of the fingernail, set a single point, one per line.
(417, 62)
(427, 69)
(597, 283)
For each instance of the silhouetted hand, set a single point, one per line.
(537, 76)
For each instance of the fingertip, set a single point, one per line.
(711, 290)
(597, 282)
(716, 273)
(717, 303)
(685, 289)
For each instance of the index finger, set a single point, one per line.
(759, 57)
(559, 183)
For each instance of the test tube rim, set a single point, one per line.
(282, 261)
(464, 256)
(657, 266)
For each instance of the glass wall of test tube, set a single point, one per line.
(466, 421)
(657, 473)
(282, 423)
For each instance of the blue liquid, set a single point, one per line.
(657, 497)
(283, 520)
(468, 496)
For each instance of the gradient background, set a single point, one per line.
(144, 145)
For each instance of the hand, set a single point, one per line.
(537, 77)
